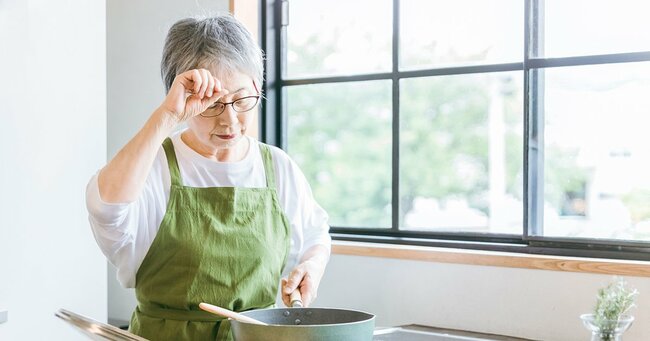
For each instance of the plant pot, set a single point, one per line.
(606, 330)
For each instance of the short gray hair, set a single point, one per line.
(218, 42)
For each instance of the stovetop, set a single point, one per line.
(413, 332)
(416, 332)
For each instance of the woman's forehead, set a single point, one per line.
(235, 81)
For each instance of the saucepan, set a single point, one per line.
(298, 323)
(96, 330)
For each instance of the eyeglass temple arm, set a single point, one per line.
(255, 86)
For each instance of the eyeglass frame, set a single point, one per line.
(225, 105)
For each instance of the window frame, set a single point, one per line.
(273, 122)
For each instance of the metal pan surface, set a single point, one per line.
(308, 324)
(96, 330)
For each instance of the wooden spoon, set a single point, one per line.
(229, 313)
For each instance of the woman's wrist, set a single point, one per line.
(318, 254)
(165, 120)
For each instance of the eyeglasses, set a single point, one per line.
(243, 104)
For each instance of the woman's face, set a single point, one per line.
(227, 129)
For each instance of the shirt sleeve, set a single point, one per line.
(308, 220)
(125, 231)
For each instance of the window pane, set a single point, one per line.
(336, 37)
(340, 136)
(584, 27)
(597, 164)
(447, 33)
(461, 152)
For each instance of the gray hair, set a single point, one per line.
(221, 43)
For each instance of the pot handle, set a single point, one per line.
(296, 299)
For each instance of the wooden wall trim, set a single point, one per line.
(491, 258)
(247, 11)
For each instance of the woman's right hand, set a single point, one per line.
(192, 93)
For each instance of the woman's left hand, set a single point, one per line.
(306, 277)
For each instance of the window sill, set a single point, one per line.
(493, 258)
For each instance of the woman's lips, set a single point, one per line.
(226, 137)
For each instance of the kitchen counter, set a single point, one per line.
(416, 332)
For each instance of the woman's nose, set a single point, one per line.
(229, 116)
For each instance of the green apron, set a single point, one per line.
(225, 246)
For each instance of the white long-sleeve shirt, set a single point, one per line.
(125, 231)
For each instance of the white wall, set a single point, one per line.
(52, 139)
(535, 304)
(135, 36)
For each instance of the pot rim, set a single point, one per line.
(370, 317)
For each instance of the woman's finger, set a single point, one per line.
(185, 80)
(196, 78)
(209, 101)
(210, 88)
(215, 91)
(217, 85)
(205, 82)
(294, 279)
(285, 297)
(307, 290)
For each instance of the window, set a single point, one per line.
(502, 125)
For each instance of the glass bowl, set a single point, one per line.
(608, 330)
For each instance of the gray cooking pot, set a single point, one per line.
(305, 324)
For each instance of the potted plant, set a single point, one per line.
(610, 318)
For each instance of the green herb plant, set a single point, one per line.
(613, 301)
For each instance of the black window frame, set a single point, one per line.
(273, 21)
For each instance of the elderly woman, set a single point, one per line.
(207, 214)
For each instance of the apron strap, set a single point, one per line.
(174, 171)
(177, 314)
(268, 165)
